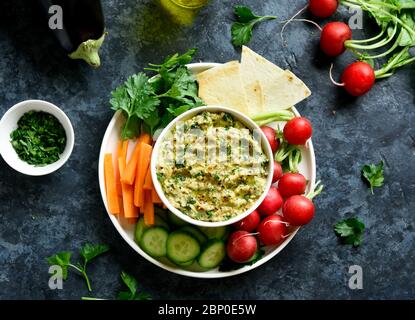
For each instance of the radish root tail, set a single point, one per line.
(289, 20)
(331, 77)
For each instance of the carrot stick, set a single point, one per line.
(132, 220)
(148, 209)
(131, 169)
(142, 166)
(148, 183)
(145, 138)
(130, 211)
(124, 150)
(155, 197)
(117, 169)
(112, 196)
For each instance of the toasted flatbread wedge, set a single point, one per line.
(280, 89)
(223, 86)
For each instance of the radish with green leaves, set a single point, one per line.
(298, 210)
(358, 78)
(323, 8)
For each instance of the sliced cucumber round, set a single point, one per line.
(219, 233)
(154, 241)
(196, 233)
(182, 247)
(141, 227)
(212, 255)
(186, 264)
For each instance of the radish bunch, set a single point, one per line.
(285, 204)
(359, 77)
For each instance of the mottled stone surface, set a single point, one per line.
(40, 216)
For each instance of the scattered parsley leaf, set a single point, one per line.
(87, 252)
(62, 259)
(132, 286)
(245, 21)
(350, 231)
(90, 251)
(374, 174)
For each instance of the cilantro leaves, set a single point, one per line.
(350, 231)
(245, 21)
(373, 174)
(151, 103)
(87, 252)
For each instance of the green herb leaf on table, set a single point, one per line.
(87, 252)
(62, 259)
(132, 286)
(245, 21)
(374, 174)
(350, 231)
(90, 251)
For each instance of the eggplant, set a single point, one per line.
(83, 29)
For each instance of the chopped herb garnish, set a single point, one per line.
(39, 138)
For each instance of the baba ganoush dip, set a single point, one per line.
(211, 167)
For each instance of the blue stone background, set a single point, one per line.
(41, 216)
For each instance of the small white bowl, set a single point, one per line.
(250, 124)
(9, 123)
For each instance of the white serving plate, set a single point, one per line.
(126, 230)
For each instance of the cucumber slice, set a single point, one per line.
(154, 241)
(186, 264)
(175, 220)
(212, 255)
(182, 247)
(196, 233)
(141, 227)
(219, 233)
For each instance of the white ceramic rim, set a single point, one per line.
(251, 125)
(38, 105)
(193, 274)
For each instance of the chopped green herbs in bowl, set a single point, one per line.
(36, 137)
(39, 139)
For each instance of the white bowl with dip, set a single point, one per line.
(126, 229)
(249, 124)
(8, 124)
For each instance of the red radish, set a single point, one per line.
(249, 223)
(298, 210)
(323, 8)
(358, 78)
(271, 137)
(333, 36)
(292, 184)
(272, 230)
(277, 172)
(241, 246)
(272, 202)
(298, 131)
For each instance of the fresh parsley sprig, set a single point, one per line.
(132, 293)
(87, 252)
(245, 22)
(151, 103)
(350, 231)
(374, 175)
